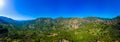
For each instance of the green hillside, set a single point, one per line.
(90, 29)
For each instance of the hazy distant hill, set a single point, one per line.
(6, 20)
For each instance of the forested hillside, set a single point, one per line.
(89, 29)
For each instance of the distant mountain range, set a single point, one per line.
(7, 20)
(61, 21)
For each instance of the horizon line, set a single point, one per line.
(60, 17)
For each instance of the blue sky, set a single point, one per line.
(30, 9)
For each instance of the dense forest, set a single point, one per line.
(89, 29)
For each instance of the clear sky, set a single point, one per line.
(30, 9)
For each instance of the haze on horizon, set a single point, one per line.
(31, 9)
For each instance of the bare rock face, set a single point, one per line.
(52, 35)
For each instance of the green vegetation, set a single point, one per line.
(91, 29)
